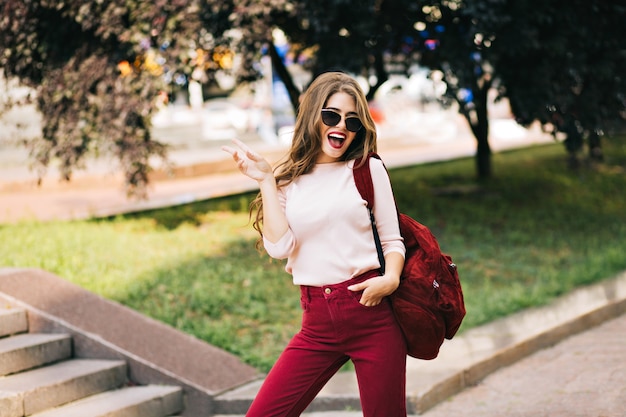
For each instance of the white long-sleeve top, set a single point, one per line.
(329, 239)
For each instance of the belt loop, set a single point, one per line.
(307, 291)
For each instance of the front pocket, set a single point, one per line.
(356, 297)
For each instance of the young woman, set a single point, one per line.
(310, 212)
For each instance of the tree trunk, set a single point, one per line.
(284, 75)
(483, 157)
(478, 119)
(573, 142)
(595, 147)
(381, 76)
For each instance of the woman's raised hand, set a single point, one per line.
(249, 162)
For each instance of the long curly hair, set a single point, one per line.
(306, 144)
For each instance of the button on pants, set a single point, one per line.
(337, 328)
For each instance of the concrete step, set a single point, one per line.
(39, 377)
(53, 385)
(12, 321)
(139, 401)
(26, 351)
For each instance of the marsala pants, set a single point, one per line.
(336, 328)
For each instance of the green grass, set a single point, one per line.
(536, 231)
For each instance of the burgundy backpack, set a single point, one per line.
(428, 304)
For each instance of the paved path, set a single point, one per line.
(203, 170)
(582, 376)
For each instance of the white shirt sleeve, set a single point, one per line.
(282, 248)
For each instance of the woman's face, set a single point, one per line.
(337, 137)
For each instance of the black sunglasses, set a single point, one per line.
(332, 118)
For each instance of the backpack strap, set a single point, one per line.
(363, 180)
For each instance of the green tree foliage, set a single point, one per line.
(456, 38)
(96, 69)
(562, 63)
(558, 62)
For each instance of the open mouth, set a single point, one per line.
(336, 141)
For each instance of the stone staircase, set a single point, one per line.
(63, 325)
(40, 377)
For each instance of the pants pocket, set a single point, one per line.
(356, 297)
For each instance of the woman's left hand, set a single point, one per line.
(375, 289)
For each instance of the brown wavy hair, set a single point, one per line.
(306, 144)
